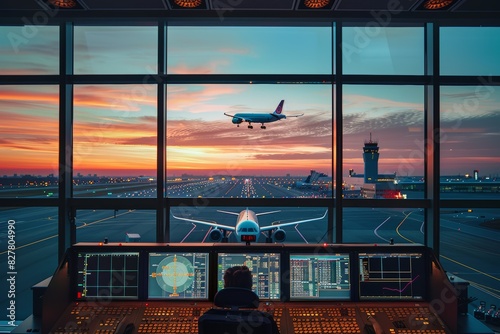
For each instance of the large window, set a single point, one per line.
(217, 156)
(384, 225)
(154, 132)
(372, 49)
(470, 51)
(199, 223)
(35, 255)
(115, 141)
(105, 226)
(29, 143)
(115, 50)
(249, 50)
(383, 141)
(29, 50)
(470, 155)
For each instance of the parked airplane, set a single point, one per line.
(247, 227)
(260, 117)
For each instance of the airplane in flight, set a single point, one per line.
(247, 228)
(260, 117)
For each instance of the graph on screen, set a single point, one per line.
(391, 276)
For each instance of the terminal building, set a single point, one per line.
(127, 186)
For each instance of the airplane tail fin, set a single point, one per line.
(279, 108)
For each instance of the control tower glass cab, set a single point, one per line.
(370, 158)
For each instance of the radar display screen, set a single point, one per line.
(107, 275)
(392, 276)
(265, 268)
(178, 275)
(319, 276)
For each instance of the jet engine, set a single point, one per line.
(216, 235)
(279, 235)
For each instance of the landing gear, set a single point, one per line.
(250, 126)
(262, 126)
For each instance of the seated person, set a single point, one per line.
(241, 277)
(238, 277)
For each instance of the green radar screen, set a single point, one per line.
(174, 275)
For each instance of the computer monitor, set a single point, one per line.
(178, 275)
(320, 276)
(113, 275)
(392, 276)
(265, 268)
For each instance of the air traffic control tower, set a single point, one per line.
(370, 157)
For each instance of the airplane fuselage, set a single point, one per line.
(247, 224)
(257, 118)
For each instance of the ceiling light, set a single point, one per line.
(63, 3)
(188, 3)
(437, 4)
(316, 3)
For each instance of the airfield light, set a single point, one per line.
(188, 3)
(437, 4)
(63, 3)
(316, 3)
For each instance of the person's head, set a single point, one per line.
(238, 277)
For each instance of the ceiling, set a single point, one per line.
(419, 9)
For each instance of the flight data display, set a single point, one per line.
(178, 275)
(392, 276)
(107, 275)
(265, 268)
(318, 276)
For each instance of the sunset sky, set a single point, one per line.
(115, 125)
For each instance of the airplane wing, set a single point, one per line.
(223, 227)
(229, 212)
(266, 213)
(272, 227)
(238, 117)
